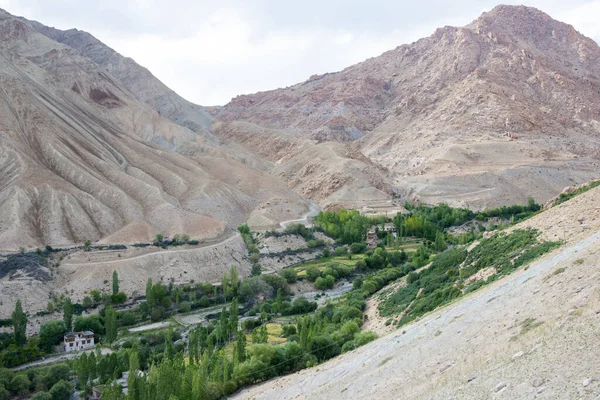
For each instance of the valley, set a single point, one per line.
(422, 224)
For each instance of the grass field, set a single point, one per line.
(322, 263)
(274, 334)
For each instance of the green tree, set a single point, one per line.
(41, 396)
(20, 384)
(82, 369)
(115, 283)
(233, 316)
(235, 280)
(256, 270)
(4, 394)
(50, 334)
(68, 314)
(240, 347)
(149, 293)
(62, 390)
(110, 324)
(279, 301)
(87, 302)
(440, 244)
(19, 322)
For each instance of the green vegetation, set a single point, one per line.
(252, 249)
(448, 276)
(347, 226)
(568, 196)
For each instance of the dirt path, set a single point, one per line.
(228, 238)
(313, 211)
(524, 336)
(58, 358)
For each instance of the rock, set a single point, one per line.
(537, 382)
(472, 378)
(500, 386)
(540, 390)
(586, 382)
(518, 355)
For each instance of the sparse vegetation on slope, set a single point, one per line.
(451, 273)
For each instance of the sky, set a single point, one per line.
(212, 51)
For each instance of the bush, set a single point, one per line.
(312, 273)
(185, 306)
(301, 305)
(20, 384)
(118, 298)
(57, 373)
(357, 248)
(40, 396)
(4, 394)
(276, 282)
(251, 323)
(288, 330)
(289, 274)
(340, 251)
(62, 390)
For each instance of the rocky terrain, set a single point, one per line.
(84, 156)
(486, 114)
(524, 336)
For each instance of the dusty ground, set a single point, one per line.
(532, 334)
(84, 271)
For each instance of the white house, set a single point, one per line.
(75, 341)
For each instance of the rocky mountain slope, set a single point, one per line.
(524, 336)
(137, 79)
(473, 115)
(82, 158)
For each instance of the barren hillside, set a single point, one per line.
(486, 114)
(82, 158)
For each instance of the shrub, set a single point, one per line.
(312, 273)
(340, 251)
(357, 248)
(288, 330)
(289, 274)
(20, 384)
(185, 306)
(61, 390)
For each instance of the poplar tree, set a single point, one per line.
(115, 283)
(68, 314)
(149, 293)
(279, 301)
(233, 316)
(235, 280)
(240, 347)
(19, 321)
(110, 324)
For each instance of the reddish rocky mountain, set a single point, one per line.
(488, 113)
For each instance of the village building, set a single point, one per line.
(76, 341)
(390, 228)
(371, 239)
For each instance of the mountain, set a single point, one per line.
(135, 78)
(485, 114)
(85, 156)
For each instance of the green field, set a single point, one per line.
(322, 263)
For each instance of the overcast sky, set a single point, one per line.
(211, 51)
